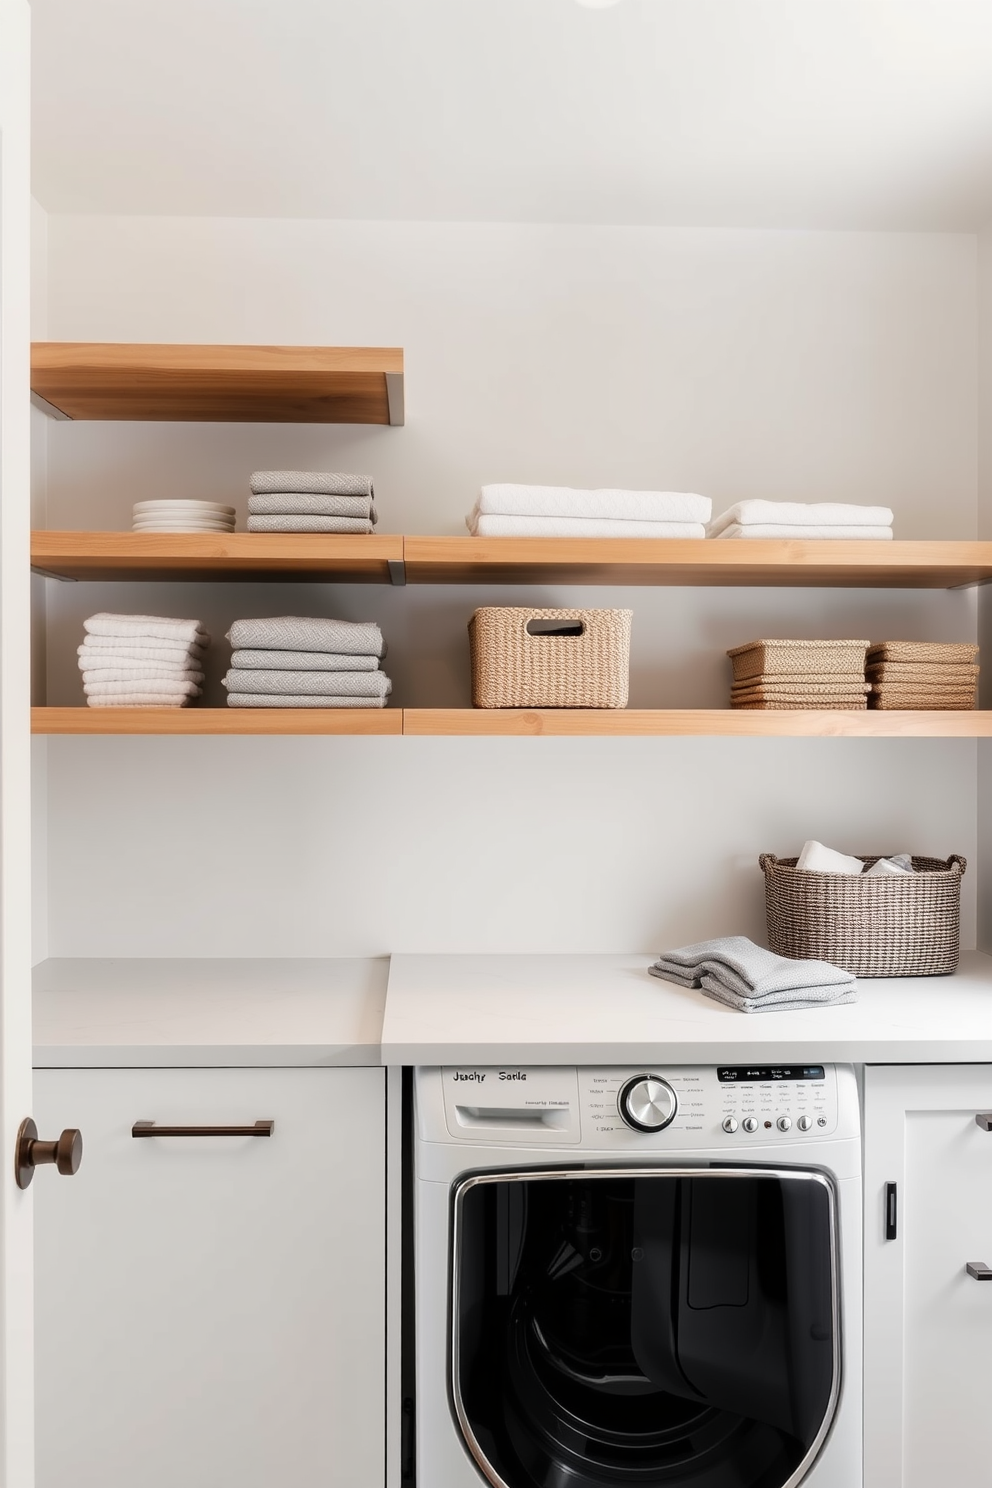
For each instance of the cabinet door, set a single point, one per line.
(210, 1309)
(928, 1324)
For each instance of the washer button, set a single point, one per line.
(784, 1123)
(729, 1124)
(821, 1120)
(750, 1124)
(804, 1123)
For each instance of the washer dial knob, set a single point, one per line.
(647, 1103)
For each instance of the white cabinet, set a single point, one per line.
(210, 1309)
(928, 1324)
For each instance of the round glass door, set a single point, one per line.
(654, 1328)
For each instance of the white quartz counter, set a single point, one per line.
(475, 1009)
(607, 1009)
(179, 1013)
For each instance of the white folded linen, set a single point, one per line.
(310, 482)
(834, 534)
(140, 674)
(815, 858)
(578, 527)
(152, 686)
(801, 514)
(160, 627)
(108, 650)
(139, 700)
(604, 504)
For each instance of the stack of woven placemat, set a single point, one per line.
(921, 674)
(798, 675)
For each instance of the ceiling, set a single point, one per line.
(780, 113)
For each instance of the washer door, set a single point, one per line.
(651, 1326)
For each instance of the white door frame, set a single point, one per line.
(16, 1262)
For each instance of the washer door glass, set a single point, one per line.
(655, 1327)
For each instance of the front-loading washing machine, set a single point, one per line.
(643, 1277)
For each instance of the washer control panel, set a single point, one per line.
(656, 1108)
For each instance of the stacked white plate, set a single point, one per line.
(182, 516)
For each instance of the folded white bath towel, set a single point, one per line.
(161, 627)
(137, 676)
(152, 686)
(815, 858)
(801, 514)
(139, 700)
(578, 527)
(811, 534)
(109, 650)
(608, 503)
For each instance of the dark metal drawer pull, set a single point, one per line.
(152, 1129)
(984, 1120)
(979, 1270)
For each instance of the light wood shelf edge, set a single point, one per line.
(219, 557)
(714, 722)
(192, 721)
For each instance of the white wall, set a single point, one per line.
(789, 365)
(984, 400)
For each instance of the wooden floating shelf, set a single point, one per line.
(219, 384)
(512, 722)
(771, 563)
(216, 720)
(235, 556)
(510, 560)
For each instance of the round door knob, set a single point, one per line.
(750, 1124)
(647, 1103)
(784, 1123)
(66, 1153)
(729, 1124)
(804, 1123)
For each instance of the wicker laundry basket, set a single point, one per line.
(525, 658)
(885, 926)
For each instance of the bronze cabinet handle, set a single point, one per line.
(153, 1129)
(66, 1153)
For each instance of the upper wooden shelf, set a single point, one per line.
(780, 562)
(219, 384)
(516, 722)
(241, 556)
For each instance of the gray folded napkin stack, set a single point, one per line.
(310, 501)
(294, 661)
(742, 975)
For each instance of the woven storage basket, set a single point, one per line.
(889, 926)
(513, 668)
(765, 658)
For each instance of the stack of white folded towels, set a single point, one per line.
(295, 661)
(141, 661)
(559, 511)
(310, 501)
(821, 519)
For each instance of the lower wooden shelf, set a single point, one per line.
(216, 721)
(522, 722)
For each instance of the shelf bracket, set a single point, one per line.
(397, 572)
(49, 408)
(43, 573)
(395, 398)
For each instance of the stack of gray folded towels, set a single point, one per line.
(742, 975)
(310, 501)
(298, 662)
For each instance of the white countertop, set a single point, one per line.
(162, 1013)
(475, 1009)
(607, 1009)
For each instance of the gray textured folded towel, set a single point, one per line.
(336, 684)
(310, 482)
(299, 700)
(307, 633)
(780, 1002)
(353, 525)
(304, 661)
(747, 971)
(304, 504)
